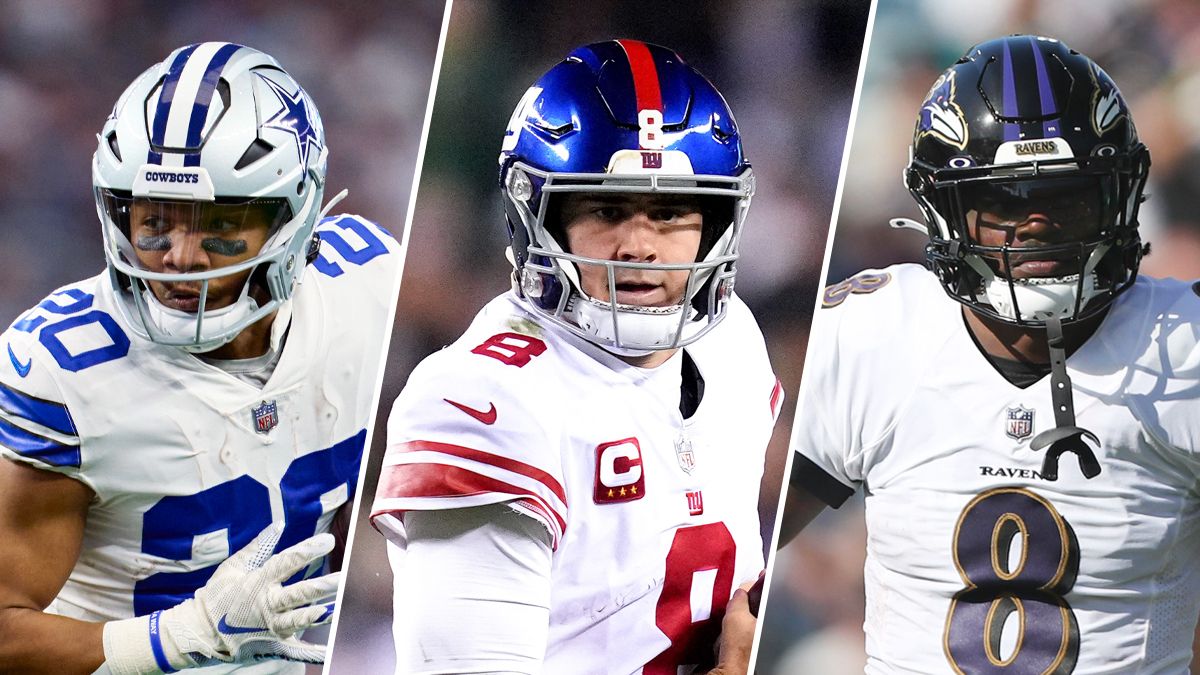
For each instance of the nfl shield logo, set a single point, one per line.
(683, 452)
(1020, 423)
(266, 417)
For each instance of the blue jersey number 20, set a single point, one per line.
(241, 508)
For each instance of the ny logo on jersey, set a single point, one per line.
(695, 500)
(619, 476)
(266, 417)
(1020, 423)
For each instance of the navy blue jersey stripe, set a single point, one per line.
(163, 110)
(204, 96)
(46, 413)
(37, 447)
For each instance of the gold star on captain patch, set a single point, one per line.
(610, 492)
(633, 489)
(622, 492)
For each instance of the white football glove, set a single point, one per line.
(243, 614)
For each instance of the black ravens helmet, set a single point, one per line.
(1026, 125)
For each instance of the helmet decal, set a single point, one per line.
(181, 126)
(647, 94)
(295, 118)
(1107, 106)
(941, 117)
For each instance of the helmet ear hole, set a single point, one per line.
(254, 152)
(111, 139)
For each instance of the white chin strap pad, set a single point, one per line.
(217, 322)
(640, 330)
(1038, 299)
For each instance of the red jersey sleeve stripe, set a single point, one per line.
(433, 481)
(645, 75)
(498, 461)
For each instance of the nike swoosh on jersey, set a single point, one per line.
(488, 417)
(22, 368)
(223, 627)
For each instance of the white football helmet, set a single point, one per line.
(216, 140)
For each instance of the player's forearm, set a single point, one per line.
(35, 642)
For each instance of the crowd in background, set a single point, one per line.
(1151, 48)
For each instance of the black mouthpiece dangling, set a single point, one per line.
(1065, 436)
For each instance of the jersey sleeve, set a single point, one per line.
(823, 462)
(36, 427)
(465, 432)
(472, 592)
(852, 390)
(357, 252)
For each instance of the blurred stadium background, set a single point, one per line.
(1150, 48)
(787, 70)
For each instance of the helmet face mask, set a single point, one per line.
(1028, 170)
(208, 179)
(686, 149)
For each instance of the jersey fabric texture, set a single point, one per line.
(652, 517)
(964, 532)
(188, 462)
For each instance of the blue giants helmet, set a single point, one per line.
(630, 117)
(1018, 125)
(214, 137)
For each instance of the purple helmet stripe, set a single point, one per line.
(1012, 131)
(165, 97)
(204, 99)
(1045, 93)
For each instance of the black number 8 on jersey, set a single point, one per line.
(1016, 555)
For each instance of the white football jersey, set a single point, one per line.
(188, 463)
(976, 562)
(653, 517)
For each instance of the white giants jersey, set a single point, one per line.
(653, 517)
(188, 462)
(977, 561)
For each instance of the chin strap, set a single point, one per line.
(1065, 436)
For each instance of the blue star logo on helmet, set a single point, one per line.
(940, 115)
(295, 119)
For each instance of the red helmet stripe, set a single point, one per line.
(645, 75)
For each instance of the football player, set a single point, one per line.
(179, 432)
(1027, 445)
(572, 485)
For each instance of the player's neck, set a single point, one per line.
(1004, 340)
(652, 360)
(252, 342)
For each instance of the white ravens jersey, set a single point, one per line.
(187, 462)
(653, 517)
(976, 561)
